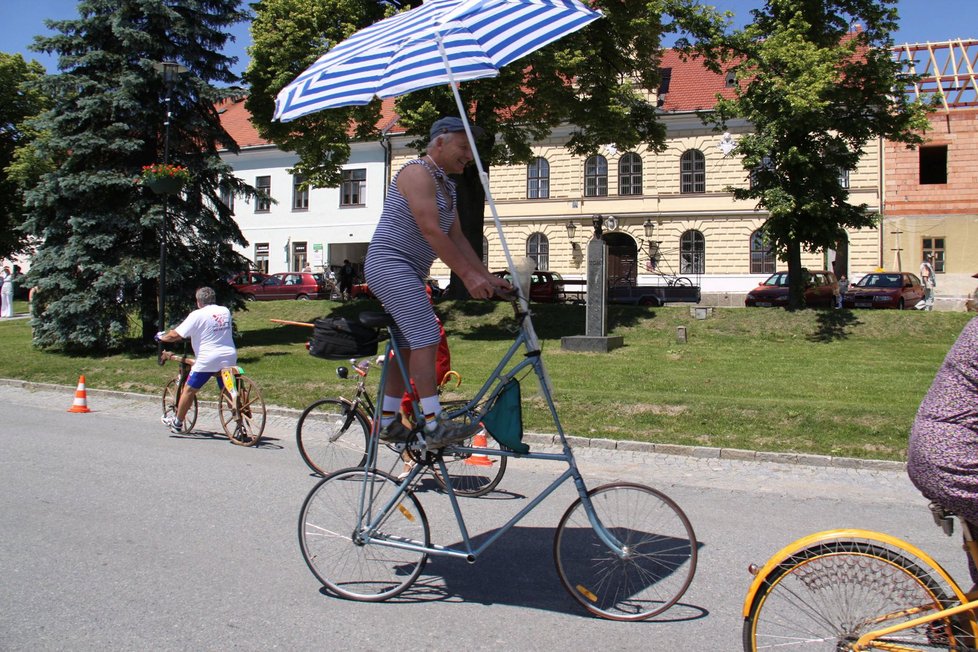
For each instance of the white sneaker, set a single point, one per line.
(175, 425)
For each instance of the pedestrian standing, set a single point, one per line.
(346, 279)
(928, 280)
(843, 288)
(7, 293)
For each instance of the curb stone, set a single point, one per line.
(542, 439)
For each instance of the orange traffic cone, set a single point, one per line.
(81, 399)
(479, 441)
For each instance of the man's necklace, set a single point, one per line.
(437, 167)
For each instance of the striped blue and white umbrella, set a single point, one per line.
(443, 41)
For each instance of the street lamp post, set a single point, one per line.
(171, 72)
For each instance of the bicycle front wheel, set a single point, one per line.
(170, 405)
(828, 595)
(338, 551)
(244, 421)
(657, 559)
(331, 435)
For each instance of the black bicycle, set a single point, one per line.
(333, 434)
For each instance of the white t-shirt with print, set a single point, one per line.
(209, 329)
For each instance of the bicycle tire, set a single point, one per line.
(472, 475)
(825, 596)
(682, 281)
(660, 552)
(246, 430)
(329, 536)
(170, 405)
(332, 435)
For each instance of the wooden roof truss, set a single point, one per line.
(946, 70)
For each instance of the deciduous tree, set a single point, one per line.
(601, 80)
(817, 82)
(19, 100)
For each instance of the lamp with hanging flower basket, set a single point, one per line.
(164, 178)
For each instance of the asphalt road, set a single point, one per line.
(116, 535)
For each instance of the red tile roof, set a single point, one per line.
(691, 87)
(237, 122)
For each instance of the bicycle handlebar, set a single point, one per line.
(170, 355)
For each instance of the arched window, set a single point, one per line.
(596, 176)
(538, 248)
(692, 253)
(630, 174)
(692, 172)
(761, 254)
(538, 179)
(485, 251)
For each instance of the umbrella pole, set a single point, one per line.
(532, 342)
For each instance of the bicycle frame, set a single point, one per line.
(370, 522)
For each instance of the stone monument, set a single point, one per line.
(595, 338)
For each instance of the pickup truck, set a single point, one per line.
(653, 295)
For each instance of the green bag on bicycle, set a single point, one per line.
(504, 418)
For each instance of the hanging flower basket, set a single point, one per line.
(164, 179)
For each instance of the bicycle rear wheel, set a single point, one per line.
(170, 405)
(331, 435)
(473, 475)
(245, 422)
(335, 548)
(826, 596)
(658, 560)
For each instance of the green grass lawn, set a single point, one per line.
(843, 383)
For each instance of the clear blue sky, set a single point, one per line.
(920, 21)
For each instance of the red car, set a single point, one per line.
(885, 290)
(301, 286)
(247, 278)
(821, 288)
(545, 286)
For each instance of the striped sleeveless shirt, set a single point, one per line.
(397, 235)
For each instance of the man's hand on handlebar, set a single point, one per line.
(167, 336)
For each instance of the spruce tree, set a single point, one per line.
(97, 264)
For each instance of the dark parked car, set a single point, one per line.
(821, 288)
(545, 287)
(885, 290)
(287, 285)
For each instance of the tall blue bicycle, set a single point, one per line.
(624, 551)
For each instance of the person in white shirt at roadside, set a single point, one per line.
(209, 330)
(929, 281)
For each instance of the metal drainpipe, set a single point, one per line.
(385, 142)
(882, 196)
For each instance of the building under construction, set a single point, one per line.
(931, 193)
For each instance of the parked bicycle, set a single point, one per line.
(623, 551)
(334, 433)
(855, 589)
(240, 405)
